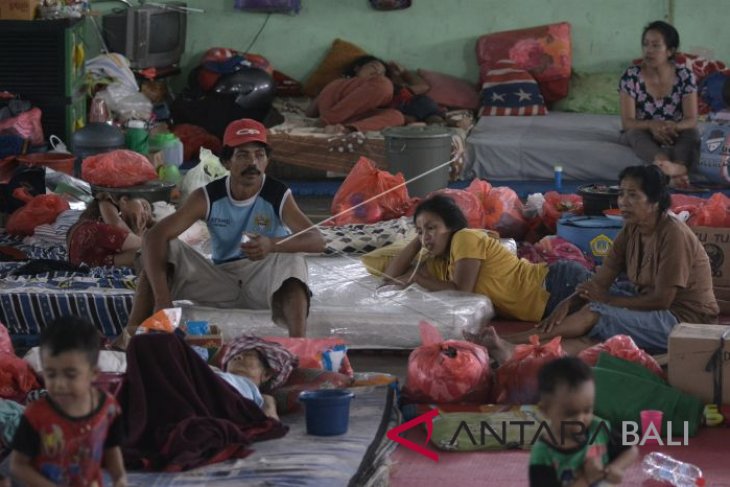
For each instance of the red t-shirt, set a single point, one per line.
(69, 451)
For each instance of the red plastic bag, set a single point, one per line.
(38, 210)
(17, 378)
(621, 346)
(366, 181)
(517, 378)
(193, 138)
(712, 213)
(556, 204)
(118, 169)
(469, 204)
(479, 188)
(447, 371)
(503, 213)
(310, 351)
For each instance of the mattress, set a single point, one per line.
(528, 148)
(347, 302)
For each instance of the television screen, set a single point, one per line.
(164, 32)
(147, 35)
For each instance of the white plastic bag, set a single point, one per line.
(208, 169)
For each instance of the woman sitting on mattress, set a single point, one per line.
(109, 232)
(358, 102)
(668, 270)
(659, 106)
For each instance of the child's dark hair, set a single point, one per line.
(358, 63)
(570, 371)
(71, 334)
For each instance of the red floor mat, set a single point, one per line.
(710, 450)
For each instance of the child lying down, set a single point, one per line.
(250, 363)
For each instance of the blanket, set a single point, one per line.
(179, 415)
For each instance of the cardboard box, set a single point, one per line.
(717, 245)
(18, 9)
(691, 348)
(212, 341)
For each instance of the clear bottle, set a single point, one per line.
(659, 466)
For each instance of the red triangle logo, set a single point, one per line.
(393, 434)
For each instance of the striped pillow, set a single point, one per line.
(509, 90)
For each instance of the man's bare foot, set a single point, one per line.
(336, 129)
(499, 349)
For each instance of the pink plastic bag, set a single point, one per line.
(447, 371)
(26, 125)
(517, 378)
(6, 344)
(118, 169)
(556, 204)
(621, 346)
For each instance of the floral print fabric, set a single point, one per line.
(649, 108)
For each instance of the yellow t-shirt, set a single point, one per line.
(515, 286)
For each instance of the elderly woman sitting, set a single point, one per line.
(665, 263)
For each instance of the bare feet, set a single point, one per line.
(336, 129)
(677, 172)
(499, 349)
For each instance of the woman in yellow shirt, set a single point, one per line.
(470, 260)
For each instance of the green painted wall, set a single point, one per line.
(441, 34)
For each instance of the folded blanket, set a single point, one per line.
(179, 414)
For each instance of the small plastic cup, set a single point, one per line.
(649, 417)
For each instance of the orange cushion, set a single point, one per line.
(544, 51)
(339, 57)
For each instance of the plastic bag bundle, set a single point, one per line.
(39, 210)
(623, 347)
(516, 379)
(503, 213)
(447, 371)
(364, 182)
(117, 169)
(556, 204)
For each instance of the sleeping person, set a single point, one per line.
(109, 232)
(250, 363)
(359, 101)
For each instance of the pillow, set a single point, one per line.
(360, 238)
(339, 57)
(544, 51)
(592, 93)
(450, 91)
(509, 90)
(376, 261)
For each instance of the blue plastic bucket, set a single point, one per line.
(593, 234)
(327, 411)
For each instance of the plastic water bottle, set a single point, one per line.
(558, 178)
(667, 469)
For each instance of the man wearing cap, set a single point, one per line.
(249, 217)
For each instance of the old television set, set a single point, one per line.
(150, 36)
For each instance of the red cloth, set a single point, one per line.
(95, 243)
(179, 413)
(356, 101)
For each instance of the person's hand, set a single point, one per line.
(593, 470)
(591, 291)
(395, 68)
(121, 482)
(613, 475)
(662, 132)
(258, 247)
(555, 318)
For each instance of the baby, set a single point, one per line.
(580, 451)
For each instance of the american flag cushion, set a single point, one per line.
(509, 90)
